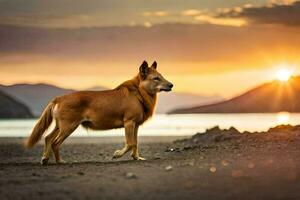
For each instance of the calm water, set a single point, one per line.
(164, 125)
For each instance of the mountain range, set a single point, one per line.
(173, 100)
(37, 96)
(275, 96)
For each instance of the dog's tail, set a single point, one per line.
(42, 125)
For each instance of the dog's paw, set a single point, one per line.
(117, 154)
(138, 158)
(61, 161)
(44, 161)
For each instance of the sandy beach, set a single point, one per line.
(219, 164)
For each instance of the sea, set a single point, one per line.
(170, 125)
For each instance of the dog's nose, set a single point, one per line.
(170, 85)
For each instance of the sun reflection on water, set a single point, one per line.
(283, 118)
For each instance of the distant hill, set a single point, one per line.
(10, 108)
(275, 96)
(97, 88)
(173, 100)
(35, 96)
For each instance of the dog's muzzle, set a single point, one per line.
(168, 88)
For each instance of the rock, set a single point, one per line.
(130, 175)
(168, 168)
(232, 139)
(168, 149)
(214, 130)
(281, 128)
(233, 130)
(225, 163)
(213, 169)
(246, 132)
(297, 127)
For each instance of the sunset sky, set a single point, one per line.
(205, 47)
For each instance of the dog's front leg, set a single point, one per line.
(135, 150)
(129, 139)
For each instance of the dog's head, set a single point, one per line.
(151, 80)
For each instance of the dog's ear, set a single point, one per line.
(154, 65)
(144, 69)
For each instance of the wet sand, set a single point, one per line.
(216, 165)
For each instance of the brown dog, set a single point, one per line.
(129, 106)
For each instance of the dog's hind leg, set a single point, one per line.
(66, 128)
(129, 142)
(47, 147)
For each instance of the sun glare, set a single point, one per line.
(284, 74)
(283, 118)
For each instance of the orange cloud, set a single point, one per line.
(160, 13)
(281, 2)
(220, 21)
(191, 12)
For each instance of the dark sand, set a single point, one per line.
(216, 165)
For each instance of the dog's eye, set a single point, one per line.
(156, 78)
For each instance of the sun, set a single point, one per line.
(284, 74)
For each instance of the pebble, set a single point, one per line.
(225, 163)
(172, 149)
(130, 175)
(168, 168)
(213, 169)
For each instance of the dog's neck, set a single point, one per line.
(147, 100)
